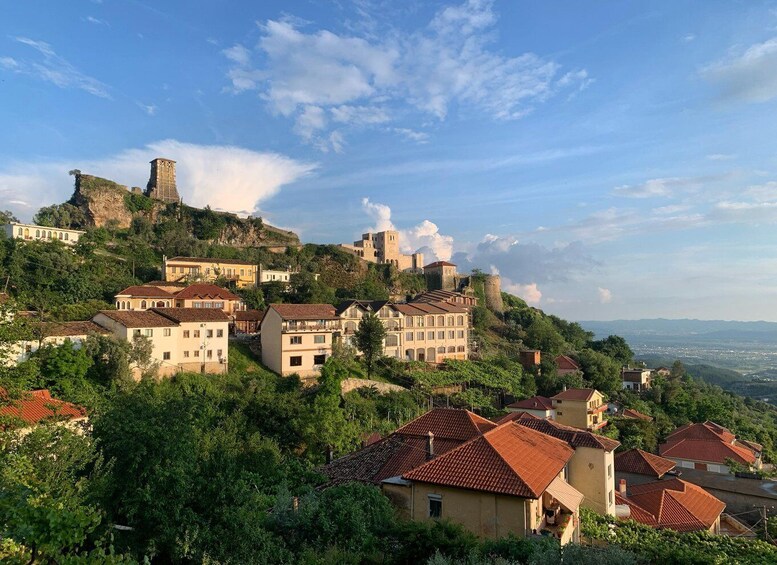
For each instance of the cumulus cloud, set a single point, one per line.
(424, 237)
(605, 295)
(359, 80)
(750, 76)
(655, 187)
(529, 292)
(226, 178)
(50, 67)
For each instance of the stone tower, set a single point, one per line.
(161, 183)
(492, 288)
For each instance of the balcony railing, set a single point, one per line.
(598, 409)
(309, 327)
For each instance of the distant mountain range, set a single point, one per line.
(696, 331)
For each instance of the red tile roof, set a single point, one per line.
(575, 394)
(145, 291)
(182, 315)
(642, 463)
(71, 329)
(636, 415)
(567, 363)
(573, 436)
(206, 291)
(139, 318)
(509, 459)
(447, 423)
(38, 405)
(673, 503)
(533, 403)
(709, 442)
(249, 315)
(515, 416)
(305, 311)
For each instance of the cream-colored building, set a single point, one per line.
(583, 408)
(32, 232)
(383, 248)
(209, 269)
(637, 380)
(591, 470)
(352, 312)
(183, 339)
(54, 333)
(434, 331)
(198, 295)
(297, 338)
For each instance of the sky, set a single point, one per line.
(610, 160)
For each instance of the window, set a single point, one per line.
(435, 506)
(167, 332)
(218, 305)
(65, 237)
(210, 354)
(451, 334)
(219, 333)
(559, 401)
(429, 335)
(420, 336)
(440, 320)
(440, 335)
(186, 333)
(196, 333)
(143, 304)
(460, 349)
(431, 321)
(196, 352)
(37, 232)
(610, 497)
(319, 359)
(460, 334)
(185, 354)
(219, 353)
(450, 320)
(460, 320)
(295, 340)
(559, 413)
(208, 333)
(319, 339)
(148, 333)
(609, 470)
(136, 333)
(441, 349)
(295, 361)
(409, 322)
(408, 336)
(166, 355)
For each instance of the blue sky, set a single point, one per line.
(608, 159)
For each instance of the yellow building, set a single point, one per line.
(204, 269)
(147, 296)
(32, 232)
(583, 408)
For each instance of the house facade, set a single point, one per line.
(637, 380)
(565, 365)
(708, 447)
(32, 232)
(54, 333)
(537, 406)
(583, 408)
(204, 269)
(183, 339)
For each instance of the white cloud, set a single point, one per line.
(52, 68)
(605, 295)
(311, 120)
(652, 188)
(149, 109)
(448, 62)
(96, 21)
(412, 135)
(224, 177)
(721, 157)
(750, 76)
(689, 37)
(529, 292)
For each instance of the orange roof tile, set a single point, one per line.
(206, 291)
(704, 431)
(673, 503)
(573, 436)
(533, 403)
(709, 451)
(515, 416)
(305, 311)
(71, 329)
(509, 459)
(567, 363)
(145, 291)
(575, 394)
(636, 415)
(447, 423)
(138, 318)
(642, 463)
(38, 405)
(181, 315)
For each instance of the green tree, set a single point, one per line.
(615, 346)
(601, 371)
(6, 216)
(111, 358)
(369, 338)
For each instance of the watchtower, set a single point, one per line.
(161, 183)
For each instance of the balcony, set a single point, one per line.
(561, 525)
(313, 326)
(597, 425)
(598, 410)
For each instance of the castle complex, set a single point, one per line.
(383, 248)
(161, 184)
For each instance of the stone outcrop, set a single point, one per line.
(102, 201)
(247, 233)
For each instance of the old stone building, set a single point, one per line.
(161, 184)
(383, 248)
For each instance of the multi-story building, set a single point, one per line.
(297, 338)
(440, 275)
(537, 406)
(31, 232)
(183, 339)
(383, 248)
(709, 447)
(434, 331)
(209, 269)
(54, 333)
(198, 295)
(637, 380)
(352, 311)
(583, 408)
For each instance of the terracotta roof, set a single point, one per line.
(139, 318)
(212, 260)
(706, 451)
(533, 403)
(573, 436)
(442, 296)
(206, 291)
(439, 264)
(636, 415)
(145, 291)
(71, 329)
(368, 305)
(515, 416)
(305, 311)
(567, 363)
(673, 503)
(181, 315)
(709, 442)
(249, 315)
(509, 459)
(447, 423)
(642, 463)
(575, 394)
(425, 308)
(38, 405)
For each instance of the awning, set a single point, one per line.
(569, 497)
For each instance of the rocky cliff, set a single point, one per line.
(102, 201)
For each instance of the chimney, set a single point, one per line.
(330, 455)
(565, 388)
(430, 446)
(622, 487)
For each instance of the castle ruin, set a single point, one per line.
(161, 184)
